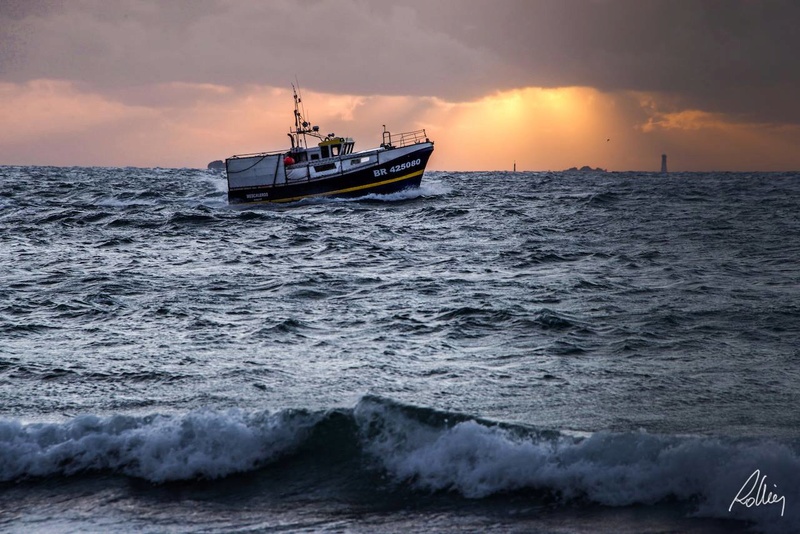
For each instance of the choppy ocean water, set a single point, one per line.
(531, 352)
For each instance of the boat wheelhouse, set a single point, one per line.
(328, 166)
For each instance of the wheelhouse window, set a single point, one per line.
(325, 167)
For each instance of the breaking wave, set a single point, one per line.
(419, 449)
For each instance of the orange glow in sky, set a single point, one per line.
(53, 122)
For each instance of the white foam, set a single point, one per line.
(615, 469)
(217, 180)
(204, 443)
(426, 189)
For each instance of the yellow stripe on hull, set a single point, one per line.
(348, 189)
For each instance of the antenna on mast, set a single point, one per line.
(302, 126)
(300, 100)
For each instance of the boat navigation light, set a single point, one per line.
(315, 128)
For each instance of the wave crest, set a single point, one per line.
(419, 448)
(159, 448)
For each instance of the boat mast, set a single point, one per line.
(301, 126)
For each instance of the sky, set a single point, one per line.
(548, 84)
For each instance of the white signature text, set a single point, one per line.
(754, 493)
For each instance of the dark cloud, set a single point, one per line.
(731, 56)
(717, 55)
(335, 46)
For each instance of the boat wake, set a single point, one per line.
(427, 189)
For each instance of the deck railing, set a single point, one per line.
(403, 139)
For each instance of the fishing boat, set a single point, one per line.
(327, 166)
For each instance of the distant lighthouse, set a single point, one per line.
(663, 163)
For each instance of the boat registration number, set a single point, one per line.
(398, 168)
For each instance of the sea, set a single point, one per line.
(544, 352)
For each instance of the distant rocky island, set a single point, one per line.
(216, 165)
(585, 168)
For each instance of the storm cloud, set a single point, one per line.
(729, 56)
